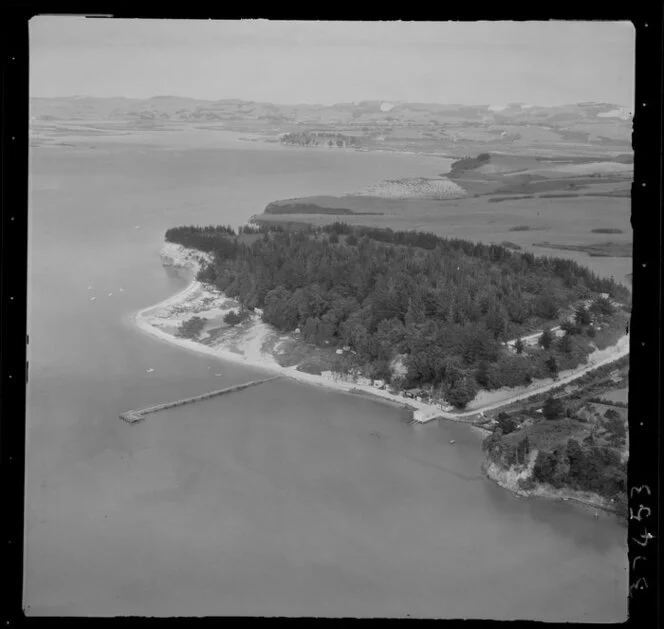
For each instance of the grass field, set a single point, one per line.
(597, 250)
(568, 225)
(547, 434)
(616, 395)
(548, 205)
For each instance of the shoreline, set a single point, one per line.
(251, 354)
(256, 332)
(544, 492)
(355, 149)
(267, 362)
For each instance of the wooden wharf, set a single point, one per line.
(134, 416)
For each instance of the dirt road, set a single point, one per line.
(596, 360)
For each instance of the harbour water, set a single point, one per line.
(282, 499)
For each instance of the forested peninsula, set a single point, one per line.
(413, 309)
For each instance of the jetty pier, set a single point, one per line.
(131, 417)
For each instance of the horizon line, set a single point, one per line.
(354, 102)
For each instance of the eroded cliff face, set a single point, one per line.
(183, 258)
(517, 478)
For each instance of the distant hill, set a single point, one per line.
(518, 124)
(584, 129)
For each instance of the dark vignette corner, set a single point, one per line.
(645, 372)
(645, 350)
(13, 289)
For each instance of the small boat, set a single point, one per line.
(150, 370)
(452, 441)
(122, 290)
(92, 298)
(89, 287)
(137, 227)
(219, 374)
(110, 294)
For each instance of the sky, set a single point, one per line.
(287, 62)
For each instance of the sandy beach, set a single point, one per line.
(246, 344)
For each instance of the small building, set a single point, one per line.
(340, 351)
(297, 330)
(604, 295)
(379, 384)
(346, 348)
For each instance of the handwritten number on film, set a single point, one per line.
(642, 513)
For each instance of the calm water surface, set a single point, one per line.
(285, 499)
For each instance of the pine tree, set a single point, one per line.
(462, 392)
(565, 344)
(546, 338)
(482, 374)
(552, 365)
(553, 408)
(415, 313)
(582, 316)
(522, 450)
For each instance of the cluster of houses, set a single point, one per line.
(533, 339)
(416, 394)
(615, 376)
(421, 395)
(568, 390)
